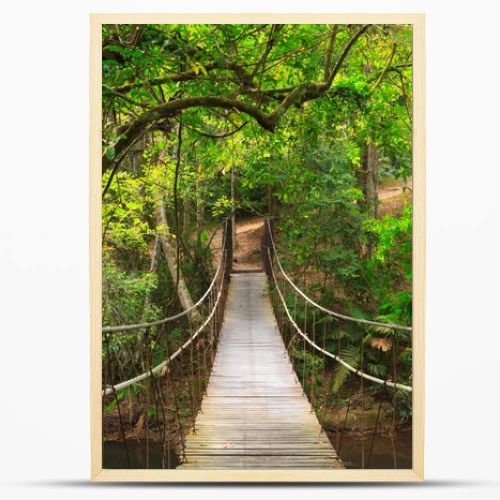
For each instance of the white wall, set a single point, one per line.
(44, 444)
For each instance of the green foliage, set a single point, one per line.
(120, 396)
(124, 295)
(389, 271)
(391, 231)
(351, 355)
(310, 172)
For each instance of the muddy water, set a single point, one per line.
(382, 456)
(115, 456)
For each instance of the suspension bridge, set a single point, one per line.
(250, 381)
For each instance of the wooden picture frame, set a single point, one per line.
(419, 248)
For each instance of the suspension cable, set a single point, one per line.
(138, 326)
(324, 309)
(158, 368)
(329, 354)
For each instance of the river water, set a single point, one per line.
(382, 456)
(115, 456)
(382, 451)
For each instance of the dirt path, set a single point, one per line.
(247, 252)
(249, 231)
(389, 192)
(392, 198)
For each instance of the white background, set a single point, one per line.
(44, 361)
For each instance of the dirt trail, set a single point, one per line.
(249, 230)
(389, 192)
(392, 198)
(247, 252)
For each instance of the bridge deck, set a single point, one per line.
(255, 415)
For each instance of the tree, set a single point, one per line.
(301, 122)
(244, 94)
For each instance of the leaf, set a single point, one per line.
(381, 344)
(351, 356)
(204, 236)
(109, 152)
(139, 425)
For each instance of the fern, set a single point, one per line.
(376, 369)
(350, 355)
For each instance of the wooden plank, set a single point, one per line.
(255, 415)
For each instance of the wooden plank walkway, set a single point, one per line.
(255, 415)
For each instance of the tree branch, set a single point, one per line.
(182, 76)
(173, 77)
(312, 90)
(329, 52)
(275, 28)
(302, 93)
(129, 132)
(217, 136)
(346, 51)
(391, 57)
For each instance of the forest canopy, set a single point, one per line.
(307, 124)
(308, 119)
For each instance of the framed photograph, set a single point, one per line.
(257, 245)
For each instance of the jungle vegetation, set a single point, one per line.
(302, 123)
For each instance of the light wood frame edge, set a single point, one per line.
(95, 253)
(419, 252)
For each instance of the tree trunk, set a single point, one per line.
(170, 252)
(200, 207)
(372, 179)
(152, 269)
(186, 216)
(200, 214)
(270, 201)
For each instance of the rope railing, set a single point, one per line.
(159, 368)
(333, 366)
(335, 357)
(142, 326)
(173, 362)
(391, 326)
